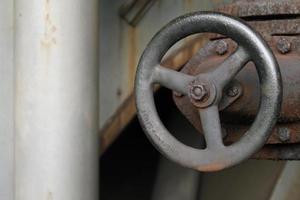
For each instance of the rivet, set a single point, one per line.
(283, 46)
(222, 47)
(283, 134)
(233, 91)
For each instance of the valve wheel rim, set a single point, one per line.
(270, 85)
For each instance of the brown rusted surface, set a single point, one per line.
(246, 106)
(277, 27)
(269, 17)
(234, 132)
(277, 21)
(246, 8)
(279, 152)
(272, 30)
(237, 117)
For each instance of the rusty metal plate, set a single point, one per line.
(278, 22)
(250, 8)
(237, 117)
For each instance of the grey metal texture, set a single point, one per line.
(175, 182)
(253, 179)
(216, 156)
(56, 100)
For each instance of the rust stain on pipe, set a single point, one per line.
(48, 39)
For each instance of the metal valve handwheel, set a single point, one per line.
(205, 91)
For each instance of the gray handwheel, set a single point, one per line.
(205, 91)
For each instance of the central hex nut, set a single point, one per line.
(202, 93)
(198, 92)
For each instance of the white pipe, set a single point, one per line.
(56, 105)
(6, 101)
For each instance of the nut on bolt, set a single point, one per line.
(233, 91)
(198, 92)
(283, 134)
(283, 46)
(222, 47)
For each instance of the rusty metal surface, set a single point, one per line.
(237, 116)
(246, 105)
(281, 134)
(250, 8)
(282, 34)
(279, 152)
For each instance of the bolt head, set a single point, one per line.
(198, 92)
(283, 134)
(283, 46)
(201, 92)
(222, 47)
(233, 91)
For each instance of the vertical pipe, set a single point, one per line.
(6, 100)
(56, 100)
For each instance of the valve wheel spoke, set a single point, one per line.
(211, 126)
(230, 67)
(172, 79)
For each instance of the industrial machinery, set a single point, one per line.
(214, 80)
(234, 76)
(205, 91)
